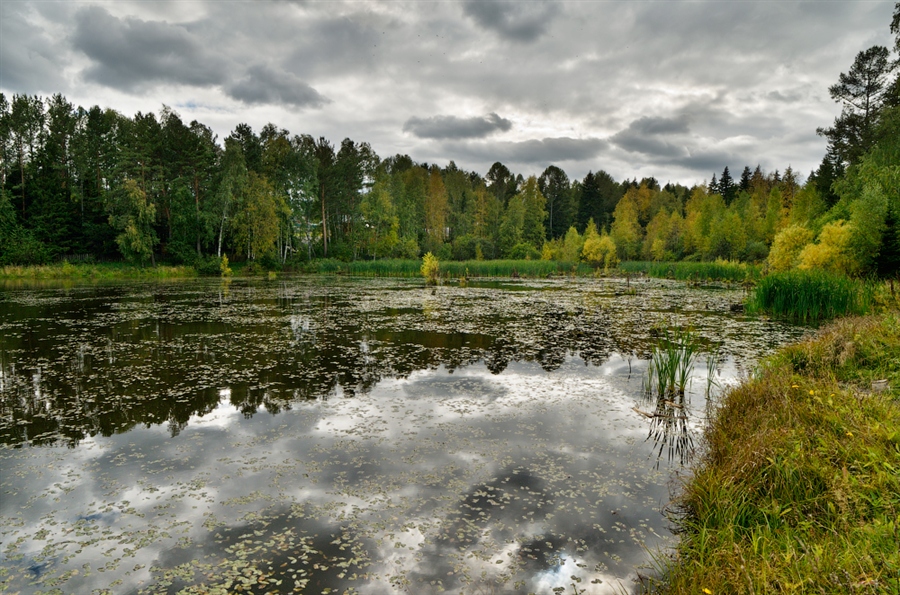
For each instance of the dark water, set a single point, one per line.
(361, 436)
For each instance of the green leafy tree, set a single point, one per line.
(501, 183)
(626, 229)
(133, 214)
(430, 268)
(232, 186)
(380, 221)
(255, 225)
(512, 226)
(534, 216)
(554, 185)
(436, 210)
(572, 245)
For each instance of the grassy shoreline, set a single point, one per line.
(798, 489)
(97, 271)
(409, 268)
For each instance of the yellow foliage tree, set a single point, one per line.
(430, 268)
(626, 229)
(831, 252)
(598, 250)
(786, 247)
(572, 244)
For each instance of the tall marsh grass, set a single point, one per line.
(450, 269)
(811, 296)
(720, 270)
(66, 270)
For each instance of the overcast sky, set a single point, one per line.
(676, 90)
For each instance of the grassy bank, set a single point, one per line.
(798, 490)
(99, 271)
(737, 272)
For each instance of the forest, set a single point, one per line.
(91, 184)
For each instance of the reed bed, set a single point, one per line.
(97, 271)
(799, 487)
(811, 296)
(736, 272)
(450, 269)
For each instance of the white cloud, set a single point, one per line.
(591, 85)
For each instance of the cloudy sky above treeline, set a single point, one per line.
(672, 89)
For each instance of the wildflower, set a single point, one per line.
(707, 591)
(849, 434)
(795, 386)
(812, 392)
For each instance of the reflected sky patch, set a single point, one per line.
(370, 437)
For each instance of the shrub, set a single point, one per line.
(430, 268)
(523, 251)
(208, 266)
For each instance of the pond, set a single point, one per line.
(345, 435)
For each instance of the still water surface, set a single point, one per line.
(338, 435)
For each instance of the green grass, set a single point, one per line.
(811, 296)
(694, 271)
(448, 269)
(98, 271)
(799, 487)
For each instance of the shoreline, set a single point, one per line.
(798, 487)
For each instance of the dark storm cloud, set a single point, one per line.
(538, 152)
(264, 85)
(656, 125)
(515, 21)
(784, 97)
(131, 53)
(31, 61)
(452, 127)
(668, 142)
(329, 45)
(646, 135)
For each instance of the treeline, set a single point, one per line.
(95, 183)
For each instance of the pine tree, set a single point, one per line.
(745, 179)
(726, 186)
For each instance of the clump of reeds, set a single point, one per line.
(671, 362)
(811, 296)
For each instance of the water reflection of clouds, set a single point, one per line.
(533, 458)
